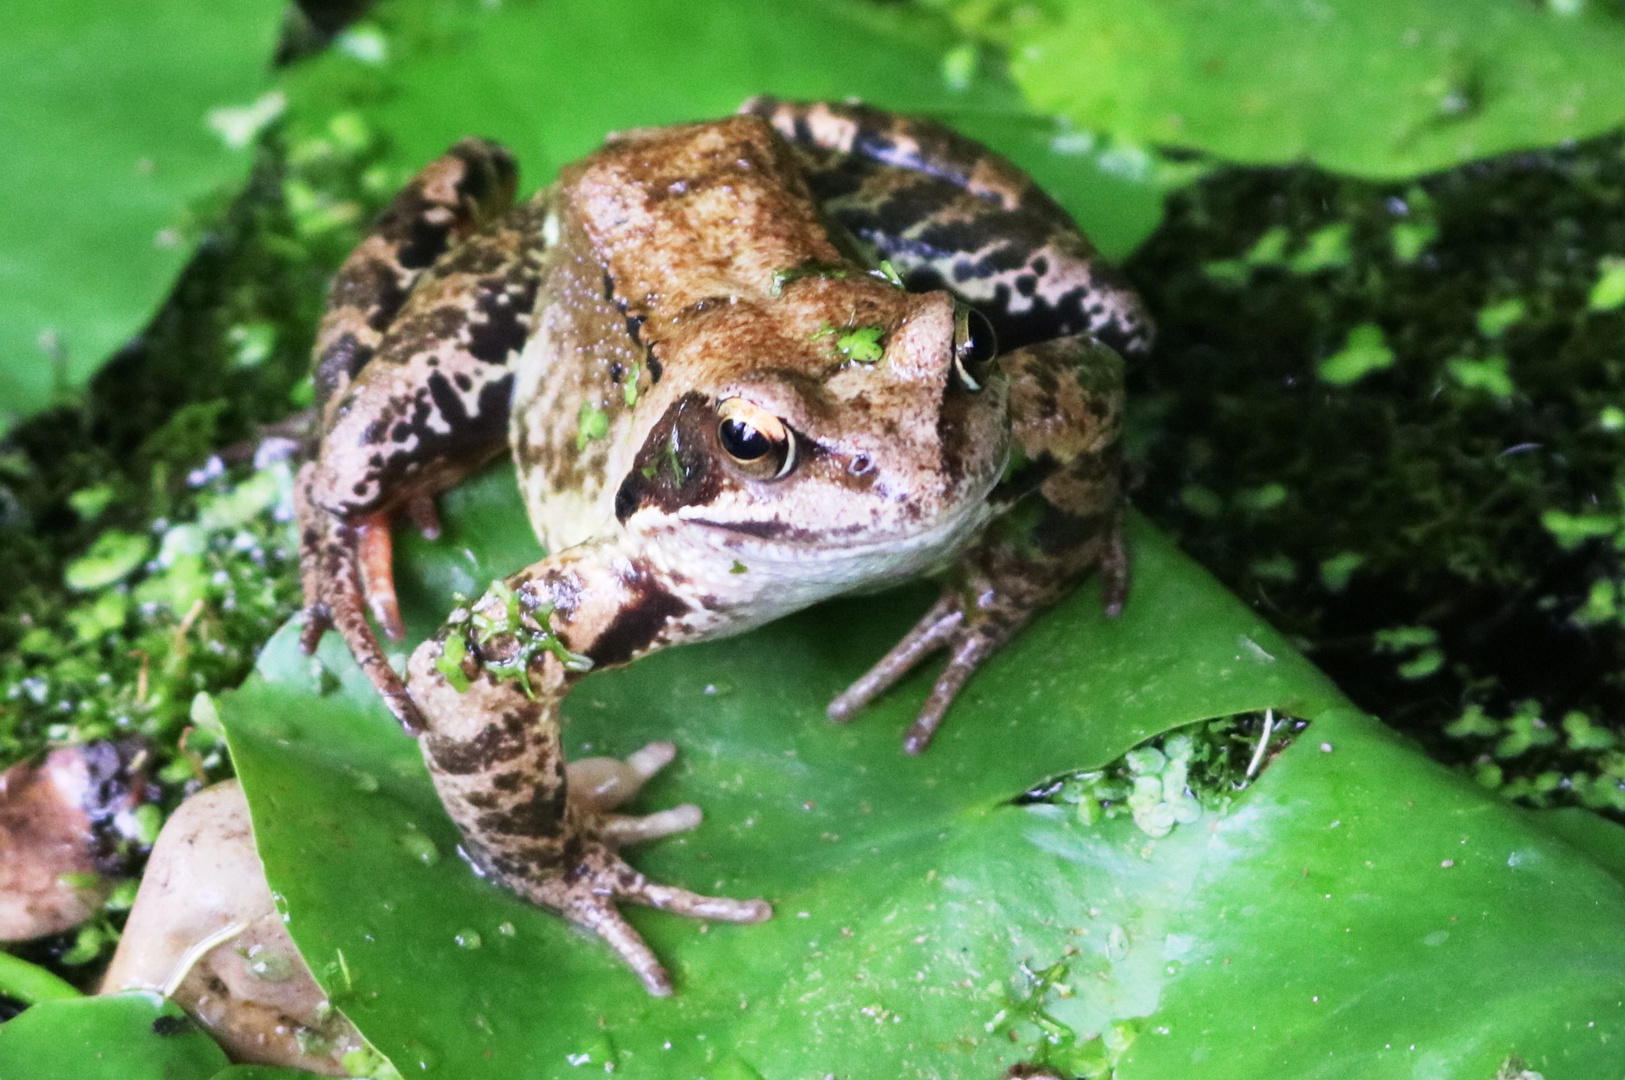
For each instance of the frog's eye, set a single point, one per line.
(974, 347)
(756, 439)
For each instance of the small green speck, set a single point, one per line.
(1366, 351)
(781, 278)
(148, 821)
(1424, 664)
(1473, 722)
(450, 661)
(737, 568)
(1326, 249)
(115, 555)
(678, 473)
(1489, 375)
(1496, 319)
(1336, 571)
(1269, 249)
(959, 65)
(1572, 530)
(1584, 735)
(629, 392)
(89, 502)
(861, 344)
(1201, 501)
(1405, 637)
(1260, 499)
(591, 423)
(1611, 418)
(1410, 238)
(1608, 294)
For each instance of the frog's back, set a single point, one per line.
(649, 236)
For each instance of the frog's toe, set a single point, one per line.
(376, 551)
(968, 641)
(695, 906)
(617, 830)
(931, 633)
(600, 784)
(601, 917)
(602, 879)
(969, 649)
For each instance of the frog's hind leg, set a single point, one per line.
(951, 214)
(1060, 516)
(417, 386)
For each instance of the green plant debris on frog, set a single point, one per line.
(520, 636)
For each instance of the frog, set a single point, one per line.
(741, 366)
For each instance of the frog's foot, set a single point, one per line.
(587, 894)
(332, 568)
(969, 641)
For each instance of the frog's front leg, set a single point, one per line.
(1060, 507)
(489, 687)
(412, 363)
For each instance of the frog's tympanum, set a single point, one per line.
(741, 366)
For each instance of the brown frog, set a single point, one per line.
(742, 366)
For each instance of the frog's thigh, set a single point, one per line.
(1066, 421)
(433, 403)
(469, 185)
(951, 214)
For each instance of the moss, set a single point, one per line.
(1431, 374)
(143, 558)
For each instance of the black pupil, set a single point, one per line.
(743, 441)
(979, 346)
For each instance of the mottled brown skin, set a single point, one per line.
(704, 450)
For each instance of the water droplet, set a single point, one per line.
(1116, 943)
(419, 847)
(507, 930)
(420, 1054)
(468, 939)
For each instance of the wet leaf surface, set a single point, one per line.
(110, 149)
(118, 1037)
(911, 895)
(550, 79)
(1380, 89)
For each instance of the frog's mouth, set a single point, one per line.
(852, 554)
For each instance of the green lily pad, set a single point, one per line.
(132, 1036)
(116, 126)
(549, 80)
(1378, 88)
(924, 924)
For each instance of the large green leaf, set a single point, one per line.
(119, 1037)
(1379, 88)
(910, 894)
(108, 146)
(550, 77)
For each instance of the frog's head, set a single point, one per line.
(844, 432)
